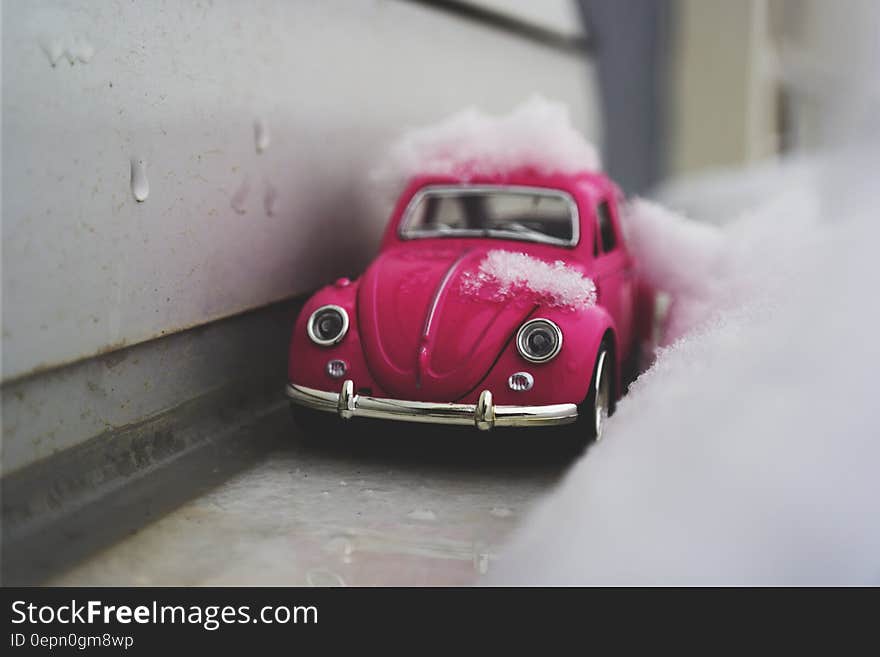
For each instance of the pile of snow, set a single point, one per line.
(504, 275)
(706, 268)
(720, 195)
(676, 256)
(537, 134)
(749, 453)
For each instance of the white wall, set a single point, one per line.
(724, 93)
(829, 60)
(88, 87)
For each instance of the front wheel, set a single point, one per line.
(596, 408)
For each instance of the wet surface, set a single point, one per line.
(387, 505)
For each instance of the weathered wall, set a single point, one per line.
(256, 123)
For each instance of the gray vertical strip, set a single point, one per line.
(631, 42)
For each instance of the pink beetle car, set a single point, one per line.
(503, 301)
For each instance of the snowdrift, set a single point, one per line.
(748, 454)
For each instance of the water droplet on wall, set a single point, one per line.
(140, 186)
(261, 135)
(54, 51)
(80, 51)
(240, 196)
(270, 197)
(75, 50)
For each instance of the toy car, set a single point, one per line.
(504, 301)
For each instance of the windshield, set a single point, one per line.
(521, 213)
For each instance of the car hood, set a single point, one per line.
(424, 336)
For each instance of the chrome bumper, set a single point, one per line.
(484, 414)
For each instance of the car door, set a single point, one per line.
(614, 272)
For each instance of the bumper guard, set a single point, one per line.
(484, 414)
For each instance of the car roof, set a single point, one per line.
(590, 182)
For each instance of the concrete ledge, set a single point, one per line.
(66, 508)
(152, 404)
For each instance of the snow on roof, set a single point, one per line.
(537, 134)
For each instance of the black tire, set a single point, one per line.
(632, 367)
(599, 403)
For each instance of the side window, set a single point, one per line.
(606, 228)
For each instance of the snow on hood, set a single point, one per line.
(504, 275)
(537, 134)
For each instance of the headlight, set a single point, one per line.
(539, 340)
(328, 325)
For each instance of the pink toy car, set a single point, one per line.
(505, 301)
